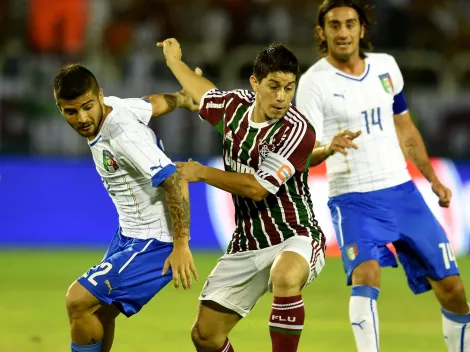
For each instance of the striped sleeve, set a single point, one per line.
(212, 106)
(290, 156)
(215, 104)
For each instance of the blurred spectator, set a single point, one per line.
(58, 25)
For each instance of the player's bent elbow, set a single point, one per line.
(259, 194)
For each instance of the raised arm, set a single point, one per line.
(193, 84)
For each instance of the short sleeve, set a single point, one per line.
(212, 107)
(400, 105)
(291, 156)
(309, 101)
(140, 151)
(142, 108)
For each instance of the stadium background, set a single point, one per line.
(55, 215)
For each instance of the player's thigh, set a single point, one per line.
(300, 261)
(129, 278)
(214, 321)
(80, 301)
(107, 313)
(362, 232)
(238, 281)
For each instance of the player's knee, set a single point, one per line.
(205, 338)
(77, 301)
(283, 279)
(367, 274)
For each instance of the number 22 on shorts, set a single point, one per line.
(106, 267)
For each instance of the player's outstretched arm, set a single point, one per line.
(165, 103)
(241, 184)
(413, 148)
(180, 260)
(193, 83)
(339, 144)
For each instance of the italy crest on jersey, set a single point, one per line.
(109, 163)
(387, 83)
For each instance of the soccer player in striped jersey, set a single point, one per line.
(373, 201)
(277, 244)
(151, 199)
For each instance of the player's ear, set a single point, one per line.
(254, 83)
(318, 32)
(363, 31)
(101, 96)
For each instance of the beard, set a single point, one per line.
(93, 130)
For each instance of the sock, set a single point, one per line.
(87, 348)
(286, 323)
(364, 318)
(227, 347)
(456, 331)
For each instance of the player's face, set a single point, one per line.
(274, 93)
(342, 33)
(84, 114)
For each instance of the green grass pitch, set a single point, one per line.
(32, 314)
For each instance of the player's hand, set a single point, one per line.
(444, 193)
(181, 262)
(190, 170)
(342, 141)
(186, 102)
(171, 50)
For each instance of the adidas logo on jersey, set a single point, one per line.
(211, 105)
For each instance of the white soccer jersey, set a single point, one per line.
(334, 101)
(132, 165)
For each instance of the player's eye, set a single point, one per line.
(88, 107)
(273, 88)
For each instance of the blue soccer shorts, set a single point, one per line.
(130, 273)
(366, 222)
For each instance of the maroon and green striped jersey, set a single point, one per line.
(277, 153)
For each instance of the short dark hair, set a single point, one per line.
(364, 12)
(73, 81)
(275, 58)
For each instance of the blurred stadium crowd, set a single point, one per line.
(116, 40)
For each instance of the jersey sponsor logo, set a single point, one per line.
(211, 105)
(264, 150)
(339, 95)
(387, 83)
(284, 172)
(109, 163)
(238, 167)
(352, 251)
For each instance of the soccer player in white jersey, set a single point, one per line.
(152, 200)
(356, 102)
(277, 244)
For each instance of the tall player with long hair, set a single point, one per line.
(356, 102)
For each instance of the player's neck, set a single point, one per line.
(258, 115)
(353, 67)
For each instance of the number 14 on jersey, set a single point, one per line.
(372, 118)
